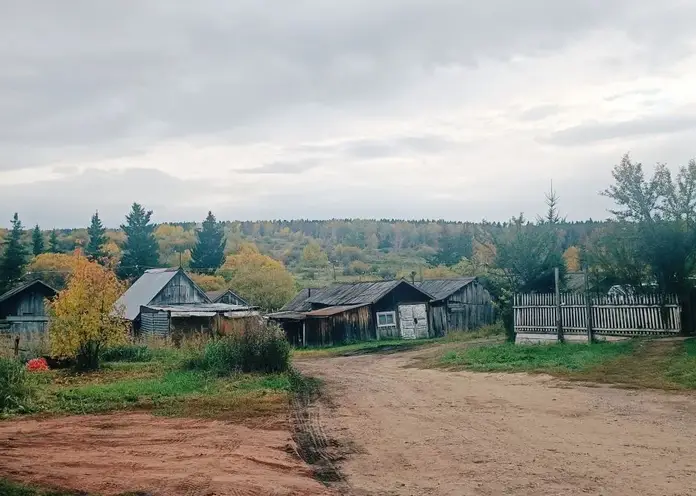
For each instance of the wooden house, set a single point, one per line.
(458, 304)
(226, 296)
(356, 312)
(23, 308)
(166, 302)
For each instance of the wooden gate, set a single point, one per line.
(413, 321)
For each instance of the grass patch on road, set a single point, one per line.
(661, 364)
(9, 488)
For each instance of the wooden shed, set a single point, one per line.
(356, 312)
(226, 296)
(23, 308)
(458, 304)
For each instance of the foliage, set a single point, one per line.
(14, 258)
(97, 240)
(313, 256)
(140, 250)
(258, 278)
(37, 241)
(257, 350)
(84, 320)
(572, 259)
(52, 268)
(208, 253)
(37, 364)
(15, 389)
(8, 488)
(552, 216)
(209, 282)
(53, 243)
(127, 353)
(175, 244)
(357, 268)
(452, 247)
(509, 357)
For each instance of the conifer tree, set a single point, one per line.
(53, 246)
(140, 251)
(37, 240)
(97, 239)
(209, 253)
(14, 257)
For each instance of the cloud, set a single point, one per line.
(286, 167)
(539, 112)
(595, 131)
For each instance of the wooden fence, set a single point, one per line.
(603, 316)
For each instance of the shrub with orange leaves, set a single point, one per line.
(37, 364)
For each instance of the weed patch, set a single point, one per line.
(15, 386)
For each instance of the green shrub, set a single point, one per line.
(127, 353)
(259, 350)
(15, 390)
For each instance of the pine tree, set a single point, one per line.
(37, 241)
(53, 246)
(14, 258)
(97, 239)
(209, 252)
(140, 250)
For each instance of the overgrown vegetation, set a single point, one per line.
(127, 353)
(15, 386)
(9, 488)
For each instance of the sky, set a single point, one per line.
(259, 109)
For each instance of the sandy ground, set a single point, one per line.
(112, 454)
(407, 431)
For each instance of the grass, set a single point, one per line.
(9, 488)
(361, 348)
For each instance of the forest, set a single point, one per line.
(648, 243)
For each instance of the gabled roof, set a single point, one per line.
(444, 288)
(299, 303)
(144, 290)
(48, 290)
(357, 293)
(214, 296)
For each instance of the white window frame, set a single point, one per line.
(393, 316)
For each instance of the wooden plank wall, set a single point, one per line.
(635, 315)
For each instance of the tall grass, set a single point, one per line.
(15, 386)
(127, 353)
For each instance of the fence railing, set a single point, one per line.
(602, 315)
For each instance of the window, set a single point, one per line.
(386, 319)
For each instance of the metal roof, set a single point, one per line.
(24, 286)
(286, 315)
(299, 303)
(357, 293)
(443, 288)
(144, 290)
(328, 311)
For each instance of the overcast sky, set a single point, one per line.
(256, 109)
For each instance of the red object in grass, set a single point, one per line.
(37, 364)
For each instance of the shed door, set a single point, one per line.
(413, 321)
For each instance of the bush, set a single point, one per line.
(15, 391)
(260, 350)
(127, 353)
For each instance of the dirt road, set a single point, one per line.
(427, 432)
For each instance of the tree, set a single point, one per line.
(14, 258)
(37, 241)
(258, 278)
(552, 216)
(572, 258)
(53, 244)
(84, 319)
(209, 252)
(209, 282)
(140, 249)
(452, 247)
(97, 240)
(314, 257)
(52, 268)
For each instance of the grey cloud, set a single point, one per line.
(120, 76)
(284, 167)
(596, 131)
(539, 112)
(398, 147)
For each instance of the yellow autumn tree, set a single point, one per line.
(52, 268)
(258, 278)
(209, 282)
(572, 259)
(84, 319)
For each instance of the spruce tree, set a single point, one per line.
(37, 241)
(14, 258)
(140, 250)
(209, 252)
(97, 239)
(53, 246)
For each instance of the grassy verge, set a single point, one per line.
(660, 364)
(8, 488)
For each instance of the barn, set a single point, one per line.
(458, 304)
(166, 302)
(23, 308)
(361, 311)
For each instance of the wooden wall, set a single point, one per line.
(231, 299)
(26, 313)
(468, 309)
(178, 291)
(352, 325)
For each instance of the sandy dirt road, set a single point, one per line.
(118, 453)
(409, 431)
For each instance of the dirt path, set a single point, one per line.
(428, 432)
(113, 454)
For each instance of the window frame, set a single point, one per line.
(393, 316)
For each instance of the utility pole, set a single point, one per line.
(588, 307)
(559, 324)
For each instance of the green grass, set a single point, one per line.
(682, 368)
(362, 347)
(509, 357)
(8, 488)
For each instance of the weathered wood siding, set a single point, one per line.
(178, 291)
(154, 323)
(231, 299)
(25, 313)
(402, 295)
(465, 310)
(352, 325)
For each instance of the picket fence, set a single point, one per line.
(609, 316)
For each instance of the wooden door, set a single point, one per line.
(413, 321)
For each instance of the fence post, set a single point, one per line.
(559, 324)
(588, 308)
(16, 346)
